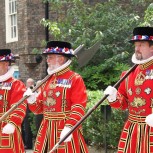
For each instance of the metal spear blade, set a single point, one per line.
(85, 55)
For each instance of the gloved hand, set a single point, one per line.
(8, 128)
(149, 120)
(64, 132)
(32, 96)
(112, 92)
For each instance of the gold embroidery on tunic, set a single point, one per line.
(138, 112)
(53, 84)
(139, 79)
(50, 93)
(138, 91)
(50, 101)
(138, 102)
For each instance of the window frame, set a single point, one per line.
(11, 20)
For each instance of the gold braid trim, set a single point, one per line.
(77, 113)
(78, 105)
(62, 71)
(137, 119)
(146, 65)
(56, 115)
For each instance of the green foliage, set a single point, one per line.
(95, 127)
(148, 18)
(81, 23)
(111, 22)
(52, 26)
(108, 72)
(32, 124)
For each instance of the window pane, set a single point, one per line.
(11, 20)
(14, 31)
(10, 8)
(15, 6)
(15, 20)
(11, 32)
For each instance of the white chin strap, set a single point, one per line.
(136, 61)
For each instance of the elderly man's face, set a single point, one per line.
(29, 83)
(55, 60)
(3, 67)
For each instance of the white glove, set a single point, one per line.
(64, 132)
(149, 120)
(112, 92)
(8, 128)
(32, 96)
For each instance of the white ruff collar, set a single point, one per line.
(7, 75)
(135, 61)
(49, 71)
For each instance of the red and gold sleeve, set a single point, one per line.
(17, 90)
(78, 99)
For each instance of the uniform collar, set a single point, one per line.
(7, 75)
(135, 61)
(144, 64)
(60, 72)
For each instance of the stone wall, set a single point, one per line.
(30, 35)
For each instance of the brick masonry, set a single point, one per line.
(30, 35)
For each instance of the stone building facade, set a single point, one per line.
(30, 35)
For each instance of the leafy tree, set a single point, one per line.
(148, 18)
(111, 21)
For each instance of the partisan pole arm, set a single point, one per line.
(91, 110)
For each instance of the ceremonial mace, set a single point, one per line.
(91, 110)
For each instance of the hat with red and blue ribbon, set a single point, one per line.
(6, 55)
(142, 34)
(59, 47)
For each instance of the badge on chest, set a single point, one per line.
(66, 83)
(5, 85)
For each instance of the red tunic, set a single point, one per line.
(11, 91)
(136, 94)
(62, 101)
